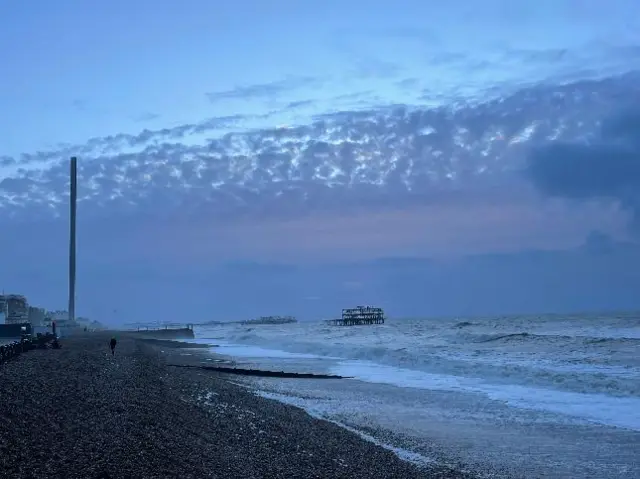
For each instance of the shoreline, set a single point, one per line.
(465, 431)
(82, 413)
(377, 436)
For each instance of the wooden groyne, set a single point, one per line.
(261, 372)
(358, 316)
(15, 348)
(11, 350)
(166, 332)
(173, 343)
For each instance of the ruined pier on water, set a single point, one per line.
(359, 315)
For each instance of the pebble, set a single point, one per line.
(78, 412)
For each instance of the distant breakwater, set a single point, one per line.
(165, 333)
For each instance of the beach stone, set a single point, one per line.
(78, 412)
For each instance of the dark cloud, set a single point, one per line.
(17, 185)
(606, 165)
(272, 89)
(7, 161)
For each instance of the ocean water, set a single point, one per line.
(545, 396)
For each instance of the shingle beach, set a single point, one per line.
(77, 412)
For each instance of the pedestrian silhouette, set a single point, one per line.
(112, 345)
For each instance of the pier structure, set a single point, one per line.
(358, 316)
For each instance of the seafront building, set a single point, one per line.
(15, 309)
(64, 325)
(37, 316)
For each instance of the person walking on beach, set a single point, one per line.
(112, 345)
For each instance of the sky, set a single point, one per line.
(264, 157)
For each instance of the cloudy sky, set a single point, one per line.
(286, 157)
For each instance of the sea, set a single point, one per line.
(514, 396)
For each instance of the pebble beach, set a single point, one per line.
(78, 412)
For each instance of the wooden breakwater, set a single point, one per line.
(166, 332)
(15, 348)
(262, 372)
(358, 316)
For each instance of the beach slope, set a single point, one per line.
(78, 412)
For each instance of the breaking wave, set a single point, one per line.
(577, 354)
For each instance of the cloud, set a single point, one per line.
(7, 161)
(264, 90)
(394, 156)
(160, 210)
(348, 185)
(114, 147)
(605, 166)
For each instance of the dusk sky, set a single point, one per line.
(285, 157)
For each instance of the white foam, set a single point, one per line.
(597, 408)
(404, 454)
(245, 351)
(562, 358)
